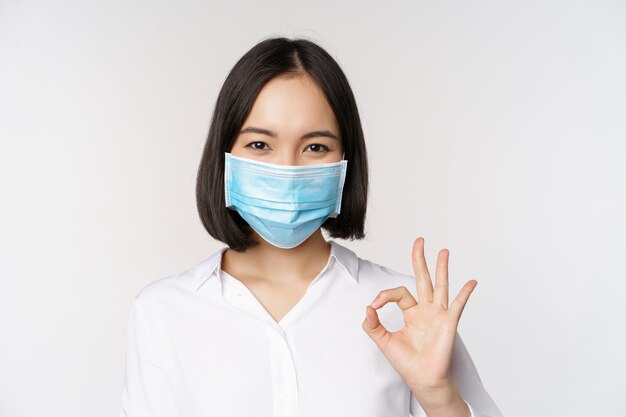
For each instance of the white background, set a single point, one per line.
(494, 129)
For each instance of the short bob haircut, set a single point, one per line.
(268, 59)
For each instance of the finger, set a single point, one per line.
(399, 295)
(441, 278)
(424, 284)
(374, 328)
(458, 304)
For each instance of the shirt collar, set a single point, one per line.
(346, 258)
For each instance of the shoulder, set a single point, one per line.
(372, 274)
(170, 289)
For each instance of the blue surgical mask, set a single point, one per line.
(284, 204)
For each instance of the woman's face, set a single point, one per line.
(290, 123)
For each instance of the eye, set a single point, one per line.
(325, 148)
(256, 148)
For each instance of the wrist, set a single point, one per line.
(444, 400)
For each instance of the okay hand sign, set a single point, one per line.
(421, 352)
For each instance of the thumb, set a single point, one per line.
(373, 327)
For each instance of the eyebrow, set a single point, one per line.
(314, 134)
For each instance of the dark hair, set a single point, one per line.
(268, 59)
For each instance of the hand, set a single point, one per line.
(421, 352)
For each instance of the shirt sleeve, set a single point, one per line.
(145, 392)
(464, 374)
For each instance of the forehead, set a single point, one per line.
(292, 104)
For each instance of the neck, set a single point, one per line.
(277, 265)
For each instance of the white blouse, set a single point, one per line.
(200, 344)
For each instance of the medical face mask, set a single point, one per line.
(284, 204)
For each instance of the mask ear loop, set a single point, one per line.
(343, 156)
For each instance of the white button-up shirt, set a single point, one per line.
(200, 344)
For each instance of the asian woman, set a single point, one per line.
(281, 322)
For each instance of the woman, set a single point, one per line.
(278, 323)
